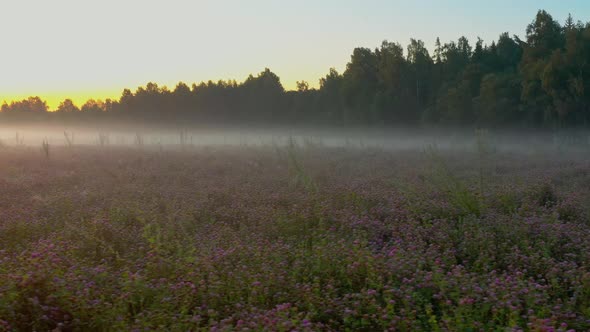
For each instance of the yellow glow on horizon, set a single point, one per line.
(54, 98)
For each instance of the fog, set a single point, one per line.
(403, 138)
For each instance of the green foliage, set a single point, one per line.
(544, 194)
(460, 196)
(509, 202)
(484, 150)
(299, 175)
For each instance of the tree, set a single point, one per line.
(67, 106)
(264, 96)
(395, 99)
(181, 100)
(421, 63)
(31, 105)
(359, 84)
(509, 52)
(126, 102)
(329, 102)
(93, 106)
(302, 86)
(497, 103)
(438, 51)
(543, 36)
(455, 104)
(478, 52)
(455, 57)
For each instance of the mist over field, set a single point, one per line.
(382, 138)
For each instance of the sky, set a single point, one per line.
(83, 49)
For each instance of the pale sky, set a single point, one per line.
(75, 48)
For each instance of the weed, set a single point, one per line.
(20, 139)
(138, 141)
(103, 139)
(300, 177)
(69, 137)
(45, 147)
(458, 193)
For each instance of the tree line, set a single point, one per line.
(541, 81)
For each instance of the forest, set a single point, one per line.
(541, 81)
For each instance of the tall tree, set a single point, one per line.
(67, 106)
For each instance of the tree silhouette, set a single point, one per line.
(67, 106)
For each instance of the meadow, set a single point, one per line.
(294, 237)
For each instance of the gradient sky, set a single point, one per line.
(82, 49)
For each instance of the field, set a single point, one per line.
(294, 237)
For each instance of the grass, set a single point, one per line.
(45, 147)
(103, 139)
(296, 237)
(138, 140)
(69, 138)
(460, 195)
(19, 139)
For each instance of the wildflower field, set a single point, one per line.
(295, 238)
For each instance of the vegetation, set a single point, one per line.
(293, 237)
(541, 81)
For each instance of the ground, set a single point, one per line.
(104, 238)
